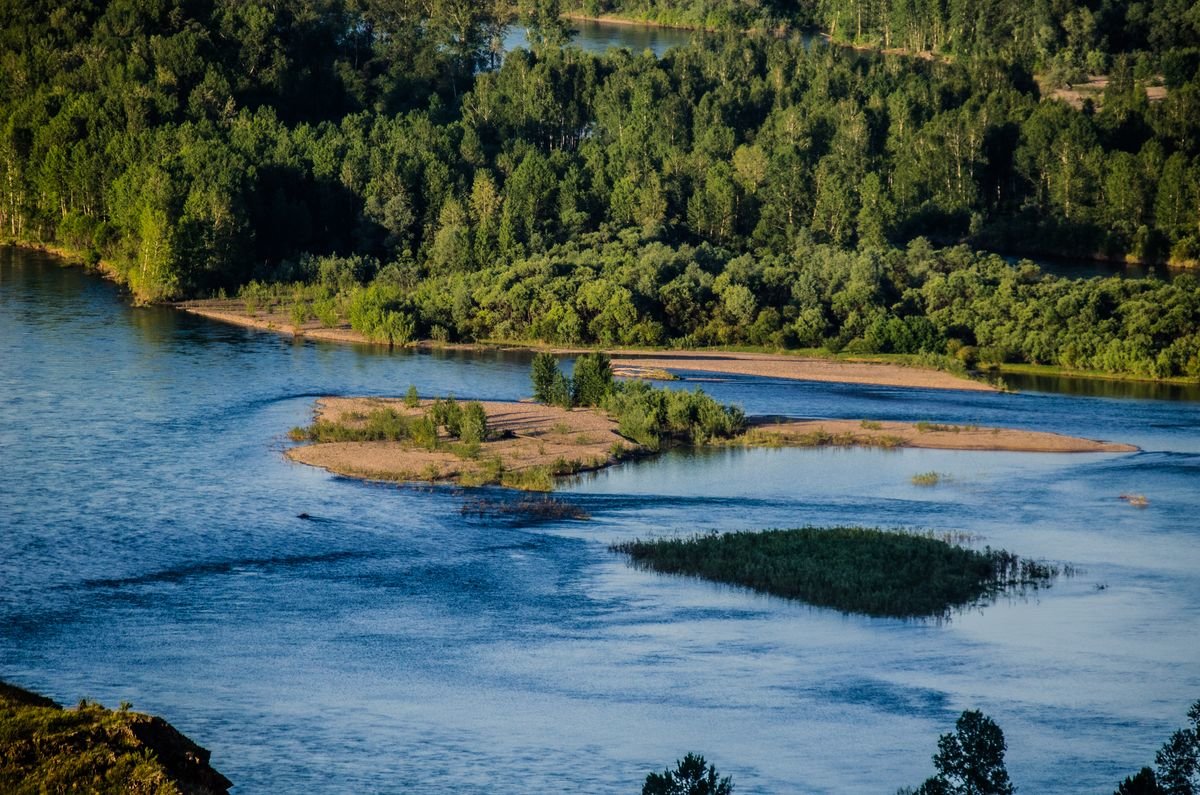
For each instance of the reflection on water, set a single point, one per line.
(1101, 387)
(391, 643)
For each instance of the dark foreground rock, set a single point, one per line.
(46, 748)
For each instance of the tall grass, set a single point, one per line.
(853, 569)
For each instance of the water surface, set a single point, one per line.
(391, 643)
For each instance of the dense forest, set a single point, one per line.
(743, 190)
(1068, 38)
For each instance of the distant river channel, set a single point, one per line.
(393, 642)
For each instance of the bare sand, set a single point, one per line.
(804, 368)
(277, 319)
(801, 368)
(863, 433)
(522, 436)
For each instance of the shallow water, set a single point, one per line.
(393, 644)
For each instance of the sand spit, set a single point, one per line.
(864, 433)
(802, 368)
(633, 363)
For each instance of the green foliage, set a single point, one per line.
(447, 414)
(650, 416)
(543, 373)
(473, 426)
(530, 479)
(411, 399)
(1141, 783)
(381, 425)
(1178, 761)
(95, 750)
(373, 312)
(424, 432)
(690, 777)
(851, 569)
(591, 380)
(610, 200)
(926, 479)
(970, 761)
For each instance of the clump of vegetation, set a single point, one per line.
(1136, 500)
(853, 569)
(45, 748)
(930, 427)
(926, 479)
(757, 437)
(468, 424)
(871, 425)
(380, 425)
(645, 414)
(529, 479)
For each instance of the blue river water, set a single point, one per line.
(395, 643)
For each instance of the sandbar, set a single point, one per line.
(936, 436)
(631, 362)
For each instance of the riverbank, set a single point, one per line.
(529, 445)
(765, 365)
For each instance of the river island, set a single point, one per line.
(528, 445)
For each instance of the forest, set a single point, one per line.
(381, 161)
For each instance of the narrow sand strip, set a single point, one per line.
(862, 433)
(801, 368)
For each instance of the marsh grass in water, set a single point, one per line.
(540, 508)
(852, 569)
(926, 479)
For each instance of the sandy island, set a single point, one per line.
(635, 363)
(524, 437)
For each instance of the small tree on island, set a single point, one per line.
(543, 373)
(592, 379)
(690, 777)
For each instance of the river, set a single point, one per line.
(393, 643)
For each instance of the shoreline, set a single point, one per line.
(767, 365)
(531, 445)
(886, 374)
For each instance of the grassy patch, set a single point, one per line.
(926, 479)
(92, 749)
(531, 479)
(853, 569)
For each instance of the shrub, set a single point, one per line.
(543, 373)
(473, 425)
(592, 379)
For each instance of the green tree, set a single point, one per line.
(1178, 761)
(543, 373)
(591, 380)
(970, 761)
(690, 777)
